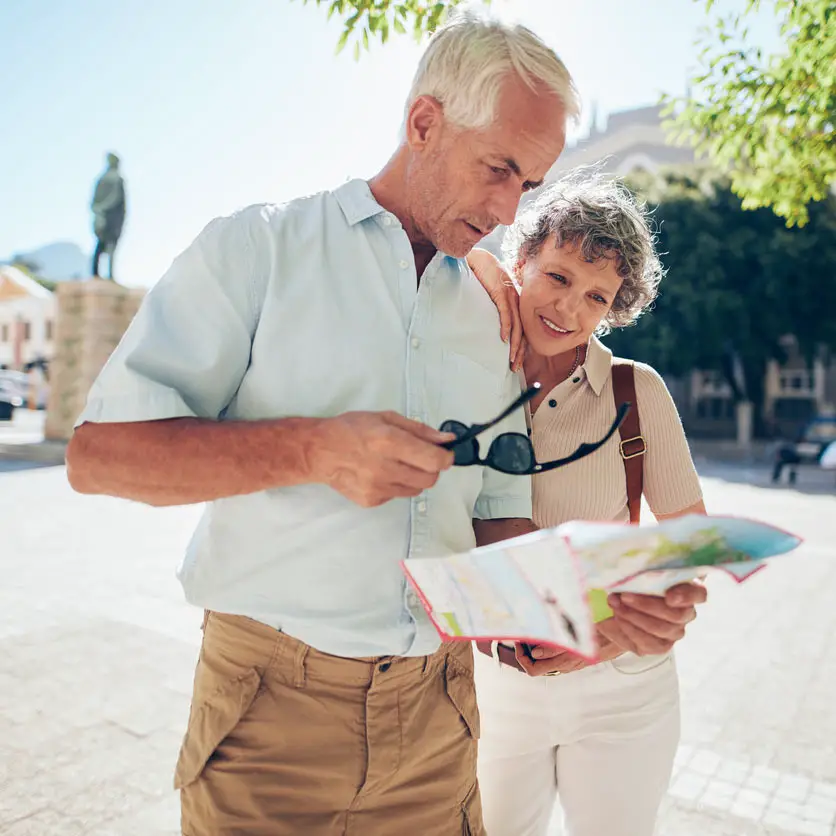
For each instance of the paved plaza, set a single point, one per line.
(97, 650)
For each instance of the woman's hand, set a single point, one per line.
(650, 624)
(504, 295)
(550, 660)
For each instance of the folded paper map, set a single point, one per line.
(550, 587)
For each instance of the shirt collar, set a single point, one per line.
(598, 364)
(357, 201)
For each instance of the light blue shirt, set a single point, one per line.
(314, 308)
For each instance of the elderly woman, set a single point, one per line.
(601, 737)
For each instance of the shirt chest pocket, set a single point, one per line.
(468, 392)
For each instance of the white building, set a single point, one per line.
(27, 320)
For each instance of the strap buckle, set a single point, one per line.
(640, 451)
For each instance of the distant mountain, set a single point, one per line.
(58, 262)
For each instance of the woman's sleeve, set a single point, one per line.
(671, 483)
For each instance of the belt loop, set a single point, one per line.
(299, 657)
(205, 620)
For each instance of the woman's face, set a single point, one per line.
(564, 298)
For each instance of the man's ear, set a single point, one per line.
(424, 122)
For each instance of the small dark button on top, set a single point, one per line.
(576, 380)
(385, 667)
(552, 403)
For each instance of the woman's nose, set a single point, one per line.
(567, 303)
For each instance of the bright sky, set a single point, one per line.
(215, 104)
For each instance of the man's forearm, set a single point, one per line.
(184, 461)
(492, 531)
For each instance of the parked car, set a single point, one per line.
(808, 447)
(10, 398)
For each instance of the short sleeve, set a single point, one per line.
(188, 347)
(671, 483)
(504, 496)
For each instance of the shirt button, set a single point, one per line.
(422, 507)
(576, 380)
(387, 221)
(404, 264)
(552, 403)
(385, 667)
(415, 342)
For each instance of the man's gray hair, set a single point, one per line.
(602, 218)
(469, 59)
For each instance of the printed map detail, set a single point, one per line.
(550, 586)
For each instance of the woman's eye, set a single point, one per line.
(600, 299)
(558, 278)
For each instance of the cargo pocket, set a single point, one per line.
(472, 822)
(211, 722)
(462, 693)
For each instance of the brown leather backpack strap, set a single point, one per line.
(632, 444)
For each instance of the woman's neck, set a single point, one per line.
(550, 371)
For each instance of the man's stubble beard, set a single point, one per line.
(429, 185)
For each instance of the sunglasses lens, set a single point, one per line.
(463, 454)
(456, 427)
(511, 453)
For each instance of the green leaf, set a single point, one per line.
(343, 40)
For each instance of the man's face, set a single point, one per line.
(462, 183)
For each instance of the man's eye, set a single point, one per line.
(500, 172)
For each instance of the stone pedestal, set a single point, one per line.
(91, 318)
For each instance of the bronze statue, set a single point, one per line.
(108, 208)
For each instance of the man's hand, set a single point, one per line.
(648, 624)
(504, 295)
(372, 457)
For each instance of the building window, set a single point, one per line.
(797, 381)
(48, 329)
(4, 334)
(27, 330)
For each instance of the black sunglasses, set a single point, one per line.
(513, 453)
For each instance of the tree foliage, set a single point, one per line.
(767, 119)
(369, 20)
(738, 282)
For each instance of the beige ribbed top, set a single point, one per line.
(582, 409)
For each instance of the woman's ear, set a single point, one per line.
(519, 269)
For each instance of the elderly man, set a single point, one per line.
(289, 370)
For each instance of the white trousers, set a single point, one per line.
(602, 739)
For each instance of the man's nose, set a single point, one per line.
(506, 201)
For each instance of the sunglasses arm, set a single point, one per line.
(587, 448)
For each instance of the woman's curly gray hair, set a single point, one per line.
(600, 217)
